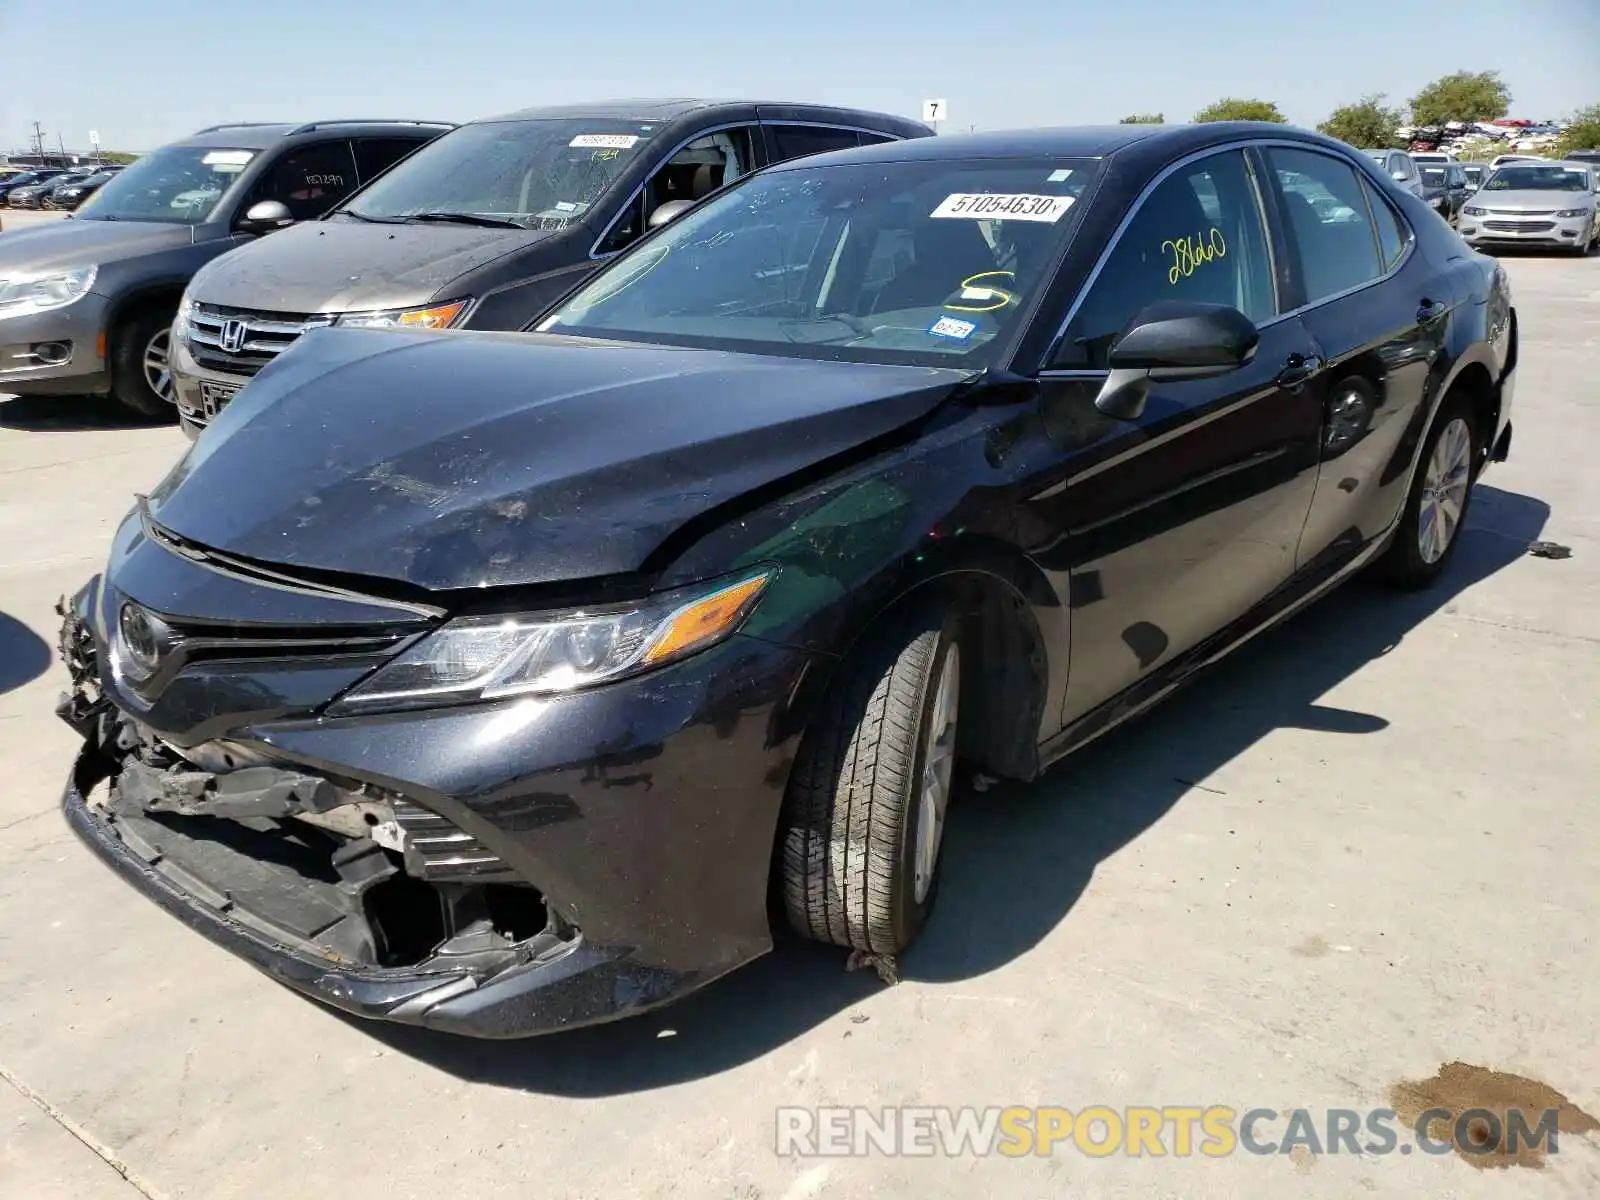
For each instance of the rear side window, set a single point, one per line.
(308, 180)
(874, 139)
(1199, 236)
(797, 141)
(1325, 205)
(1391, 235)
(374, 156)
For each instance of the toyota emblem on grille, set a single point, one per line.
(232, 337)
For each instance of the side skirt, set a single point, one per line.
(1276, 608)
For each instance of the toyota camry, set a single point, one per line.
(503, 682)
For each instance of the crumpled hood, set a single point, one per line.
(341, 265)
(463, 460)
(66, 245)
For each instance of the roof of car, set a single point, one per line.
(258, 135)
(662, 109)
(1077, 141)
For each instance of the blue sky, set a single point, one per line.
(145, 73)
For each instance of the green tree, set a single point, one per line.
(1463, 96)
(1583, 130)
(1230, 109)
(1366, 124)
(1144, 119)
(117, 156)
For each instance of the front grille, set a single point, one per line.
(240, 341)
(437, 849)
(1520, 226)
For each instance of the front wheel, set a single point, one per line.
(864, 817)
(141, 370)
(1436, 506)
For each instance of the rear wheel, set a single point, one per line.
(865, 813)
(1436, 506)
(141, 372)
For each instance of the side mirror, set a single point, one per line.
(1173, 340)
(670, 211)
(1399, 174)
(266, 215)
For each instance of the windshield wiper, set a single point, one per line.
(350, 212)
(457, 218)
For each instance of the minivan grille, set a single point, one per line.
(240, 341)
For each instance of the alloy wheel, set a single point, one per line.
(1444, 490)
(158, 364)
(938, 771)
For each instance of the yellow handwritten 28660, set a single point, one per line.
(1189, 254)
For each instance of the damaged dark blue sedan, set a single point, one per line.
(501, 683)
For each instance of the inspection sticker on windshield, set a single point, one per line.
(998, 206)
(604, 141)
(1060, 176)
(952, 327)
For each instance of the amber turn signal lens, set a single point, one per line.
(706, 620)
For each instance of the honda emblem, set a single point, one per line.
(233, 335)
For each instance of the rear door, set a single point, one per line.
(1376, 309)
(1175, 525)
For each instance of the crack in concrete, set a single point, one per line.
(1515, 628)
(103, 1153)
(15, 821)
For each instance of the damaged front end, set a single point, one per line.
(355, 894)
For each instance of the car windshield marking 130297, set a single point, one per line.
(907, 262)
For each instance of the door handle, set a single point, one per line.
(1298, 369)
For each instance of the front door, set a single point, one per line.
(1175, 525)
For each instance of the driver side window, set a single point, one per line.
(1199, 236)
(308, 180)
(694, 172)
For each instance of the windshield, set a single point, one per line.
(925, 263)
(533, 174)
(1433, 176)
(179, 185)
(1524, 178)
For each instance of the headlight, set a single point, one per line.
(439, 316)
(182, 325)
(1472, 211)
(20, 296)
(1573, 212)
(485, 658)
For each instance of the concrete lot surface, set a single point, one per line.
(1363, 849)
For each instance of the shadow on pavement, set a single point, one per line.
(1017, 857)
(71, 414)
(24, 655)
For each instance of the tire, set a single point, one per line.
(855, 809)
(135, 340)
(1438, 500)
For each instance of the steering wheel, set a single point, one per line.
(980, 293)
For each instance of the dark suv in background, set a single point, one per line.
(87, 302)
(488, 226)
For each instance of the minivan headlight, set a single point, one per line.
(182, 322)
(44, 292)
(489, 657)
(437, 316)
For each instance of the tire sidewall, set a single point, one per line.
(910, 915)
(1412, 569)
(128, 385)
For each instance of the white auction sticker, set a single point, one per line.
(228, 158)
(604, 141)
(999, 206)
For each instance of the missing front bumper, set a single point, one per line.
(577, 985)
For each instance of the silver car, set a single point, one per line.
(1535, 204)
(1400, 167)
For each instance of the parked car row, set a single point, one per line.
(53, 187)
(506, 682)
(1515, 193)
